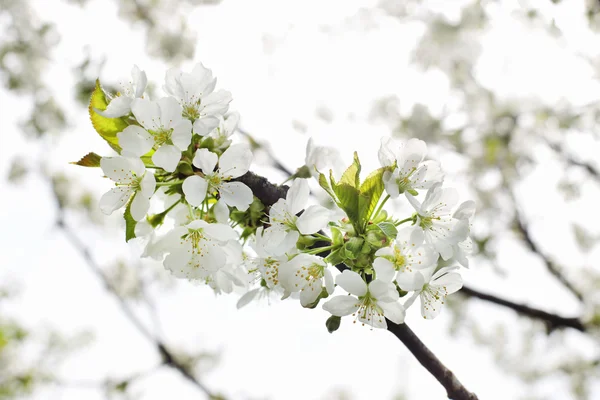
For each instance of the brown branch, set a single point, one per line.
(454, 389)
(269, 193)
(552, 321)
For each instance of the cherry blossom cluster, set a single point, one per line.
(180, 178)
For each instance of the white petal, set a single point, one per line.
(386, 154)
(177, 262)
(384, 269)
(231, 123)
(221, 232)
(148, 185)
(114, 199)
(389, 182)
(135, 140)
(118, 107)
(194, 188)
(235, 161)
(205, 160)
(203, 126)
(451, 282)
(313, 219)
(409, 281)
(121, 169)
(147, 113)
(329, 285)
(393, 311)
(182, 134)
(139, 207)
(413, 201)
(415, 148)
(170, 112)
(341, 305)
(465, 211)
(297, 196)
(236, 194)
(247, 298)
(221, 212)
(383, 291)
(351, 282)
(167, 157)
(310, 293)
(139, 81)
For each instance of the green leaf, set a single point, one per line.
(333, 323)
(89, 160)
(352, 175)
(107, 128)
(130, 223)
(325, 185)
(388, 229)
(370, 193)
(348, 200)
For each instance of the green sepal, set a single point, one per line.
(325, 185)
(89, 160)
(413, 192)
(336, 236)
(335, 257)
(353, 247)
(333, 323)
(130, 223)
(388, 229)
(107, 128)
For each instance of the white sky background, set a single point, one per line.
(282, 60)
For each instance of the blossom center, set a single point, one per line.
(162, 136)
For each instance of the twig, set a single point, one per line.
(268, 193)
(454, 389)
(552, 321)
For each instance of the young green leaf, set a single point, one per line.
(107, 128)
(370, 193)
(388, 229)
(89, 160)
(352, 174)
(130, 223)
(348, 200)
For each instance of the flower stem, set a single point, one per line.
(404, 220)
(322, 237)
(321, 249)
(171, 183)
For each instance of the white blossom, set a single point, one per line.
(442, 231)
(411, 172)
(405, 257)
(132, 179)
(121, 105)
(371, 303)
(196, 250)
(432, 289)
(323, 159)
(464, 213)
(307, 274)
(164, 130)
(233, 163)
(283, 214)
(195, 92)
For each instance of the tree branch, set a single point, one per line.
(454, 389)
(552, 321)
(269, 193)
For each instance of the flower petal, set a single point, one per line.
(341, 305)
(384, 269)
(351, 282)
(236, 194)
(147, 113)
(221, 212)
(139, 207)
(135, 140)
(167, 157)
(205, 160)
(221, 232)
(118, 107)
(297, 196)
(313, 219)
(235, 161)
(194, 188)
(393, 311)
(203, 126)
(182, 134)
(114, 199)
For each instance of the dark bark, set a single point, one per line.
(552, 321)
(454, 389)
